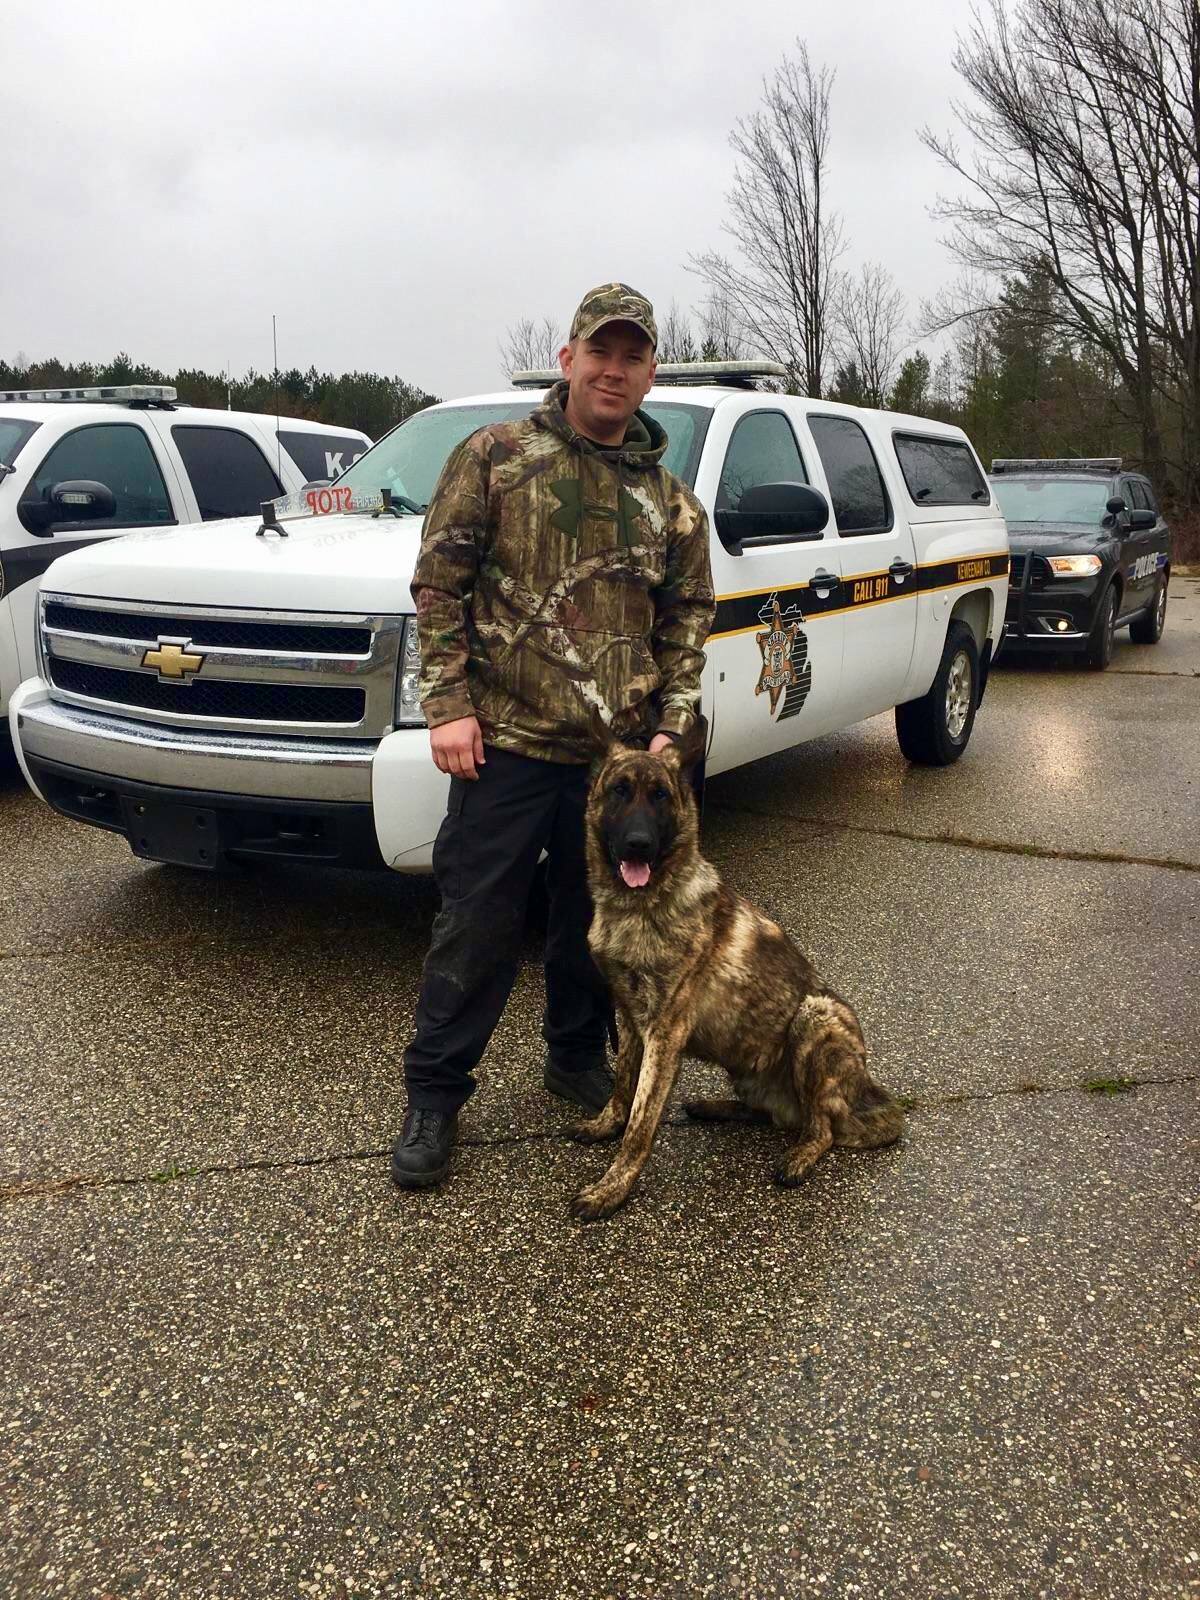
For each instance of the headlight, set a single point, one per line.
(408, 678)
(1074, 566)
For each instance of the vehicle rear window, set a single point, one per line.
(321, 455)
(939, 472)
(860, 501)
(229, 472)
(13, 434)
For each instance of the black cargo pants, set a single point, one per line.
(484, 859)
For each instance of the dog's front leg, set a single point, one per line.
(608, 1123)
(660, 1068)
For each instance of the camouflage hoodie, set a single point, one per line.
(557, 580)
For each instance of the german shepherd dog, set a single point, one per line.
(695, 969)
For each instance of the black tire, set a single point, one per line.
(1148, 628)
(934, 730)
(1099, 650)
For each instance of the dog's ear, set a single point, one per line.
(687, 751)
(602, 740)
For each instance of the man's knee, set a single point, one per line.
(471, 939)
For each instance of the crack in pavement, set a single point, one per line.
(45, 1188)
(1151, 672)
(964, 841)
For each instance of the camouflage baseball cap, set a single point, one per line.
(613, 302)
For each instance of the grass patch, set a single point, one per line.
(173, 1171)
(1109, 1085)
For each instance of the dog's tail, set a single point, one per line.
(875, 1119)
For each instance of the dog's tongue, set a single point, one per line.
(635, 873)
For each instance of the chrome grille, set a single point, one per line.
(236, 702)
(210, 632)
(274, 671)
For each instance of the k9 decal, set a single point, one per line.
(1144, 567)
(786, 669)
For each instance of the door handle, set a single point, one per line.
(823, 583)
(901, 569)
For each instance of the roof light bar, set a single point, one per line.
(728, 374)
(1057, 464)
(149, 393)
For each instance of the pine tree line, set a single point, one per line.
(366, 400)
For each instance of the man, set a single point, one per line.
(563, 578)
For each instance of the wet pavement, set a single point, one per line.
(236, 1363)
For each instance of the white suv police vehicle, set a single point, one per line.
(77, 465)
(250, 690)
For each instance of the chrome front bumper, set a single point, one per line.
(228, 763)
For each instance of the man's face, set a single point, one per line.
(610, 375)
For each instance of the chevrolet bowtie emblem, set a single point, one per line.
(172, 660)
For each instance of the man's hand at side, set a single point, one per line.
(458, 747)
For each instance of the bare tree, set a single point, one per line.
(676, 341)
(1086, 166)
(870, 325)
(530, 346)
(721, 333)
(788, 241)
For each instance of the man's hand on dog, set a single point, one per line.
(458, 747)
(660, 741)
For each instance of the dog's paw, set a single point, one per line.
(596, 1201)
(789, 1177)
(594, 1130)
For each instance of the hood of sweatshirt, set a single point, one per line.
(642, 449)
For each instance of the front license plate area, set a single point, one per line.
(186, 836)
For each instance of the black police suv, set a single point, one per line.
(1090, 554)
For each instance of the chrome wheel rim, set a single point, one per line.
(958, 695)
(1162, 607)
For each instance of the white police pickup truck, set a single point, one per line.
(250, 690)
(77, 465)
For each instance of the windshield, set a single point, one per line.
(13, 433)
(409, 460)
(1078, 500)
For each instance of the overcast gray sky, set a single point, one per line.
(400, 182)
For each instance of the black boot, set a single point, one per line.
(590, 1089)
(421, 1155)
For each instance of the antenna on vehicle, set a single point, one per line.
(278, 440)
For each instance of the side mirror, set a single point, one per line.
(1140, 520)
(774, 513)
(76, 500)
(316, 483)
(1115, 505)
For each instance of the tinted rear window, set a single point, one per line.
(940, 472)
(321, 455)
(229, 472)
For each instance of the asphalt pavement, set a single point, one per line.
(236, 1363)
